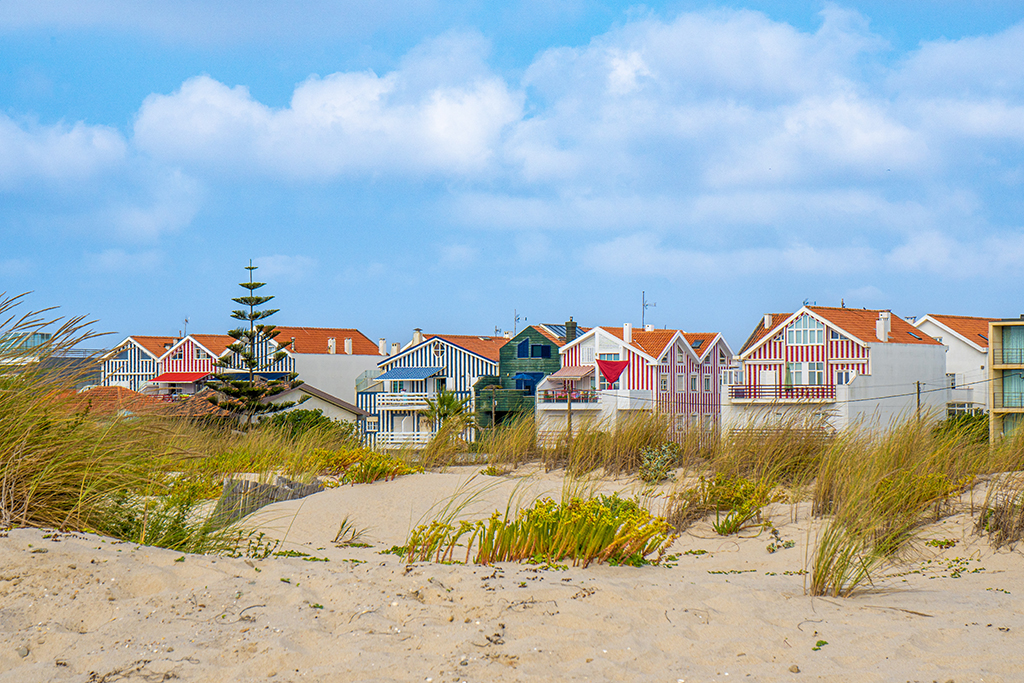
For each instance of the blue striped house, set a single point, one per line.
(135, 361)
(427, 365)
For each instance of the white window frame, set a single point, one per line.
(805, 331)
(694, 382)
(707, 384)
(664, 383)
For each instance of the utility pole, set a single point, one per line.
(568, 409)
(645, 304)
(515, 322)
(918, 383)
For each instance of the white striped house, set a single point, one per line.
(427, 365)
(135, 361)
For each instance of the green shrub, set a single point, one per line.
(656, 464)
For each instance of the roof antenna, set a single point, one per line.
(645, 304)
(842, 303)
(186, 327)
(515, 325)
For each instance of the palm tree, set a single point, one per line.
(446, 407)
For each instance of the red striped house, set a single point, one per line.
(669, 371)
(838, 364)
(187, 363)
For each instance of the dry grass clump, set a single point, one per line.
(615, 448)
(1001, 517)
(603, 529)
(511, 443)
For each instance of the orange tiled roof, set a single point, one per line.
(860, 322)
(113, 400)
(973, 329)
(314, 340)
(760, 332)
(705, 339)
(488, 347)
(580, 331)
(155, 345)
(216, 343)
(652, 343)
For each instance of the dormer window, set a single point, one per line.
(805, 331)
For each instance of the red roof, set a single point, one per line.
(314, 340)
(704, 339)
(652, 343)
(179, 377)
(488, 347)
(215, 343)
(157, 346)
(860, 322)
(973, 329)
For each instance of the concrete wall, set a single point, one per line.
(335, 374)
(969, 365)
(889, 393)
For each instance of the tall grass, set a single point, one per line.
(510, 444)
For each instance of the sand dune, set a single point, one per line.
(77, 607)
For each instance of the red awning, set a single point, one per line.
(572, 372)
(612, 369)
(179, 377)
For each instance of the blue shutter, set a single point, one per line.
(523, 349)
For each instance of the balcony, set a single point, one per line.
(402, 401)
(1009, 400)
(582, 399)
(404, 438)
(811, 393)
(1007, 356)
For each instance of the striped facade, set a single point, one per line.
(837, 352)
(188, 355)
(264, 351)
(129, 365)
(458, 370)
(682, 381)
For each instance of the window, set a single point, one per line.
(681, 382)
(805, 331)
(707, 384)
(805, 374)
(540, 351)
(372, 423)
(951, 378)
(608, 356)
(523, 349)
(604, 383)
(834, 334)
(664, 384)
(680, 357)
(693, 383)
(179, 354)
(200, 354)
(588, 354)
(844, 376)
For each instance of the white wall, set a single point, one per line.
(967, 362)
(889, 393)
(334, 374)
(313, 403)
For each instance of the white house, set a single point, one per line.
(307, 397)
(966, 342)
(844, 366)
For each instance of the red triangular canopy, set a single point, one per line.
(612, 369)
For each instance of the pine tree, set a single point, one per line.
(246, 398)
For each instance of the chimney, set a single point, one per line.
(395, 348)
(648, 328)
(767, 321)
(508, 334)
(293, 344)
(382, 347)
(883, 325)
(417, 336)
(348, 346)
(331, 345)
(627, 333)
(570, 330)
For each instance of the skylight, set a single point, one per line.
(697, 343)
(913, 335)
(983, 336)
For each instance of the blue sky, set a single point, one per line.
(440, 165)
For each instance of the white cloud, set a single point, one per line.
(458, 255)
(121, 262)
(353, 122)
(929, 252)
(280, 266)
(31, 153)
(15, 267)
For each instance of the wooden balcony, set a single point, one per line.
(395, 439)
(402, 401)
(823, 393)
(558, 398)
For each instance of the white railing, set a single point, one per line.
(403, 438)
(403, 400)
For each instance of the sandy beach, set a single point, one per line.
(78, 607)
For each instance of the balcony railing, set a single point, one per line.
(755, 392)
(561, 396)
(1004, 356)
(404, 400)
(1009, 399)
(403, 438)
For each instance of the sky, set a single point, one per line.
(450, 166)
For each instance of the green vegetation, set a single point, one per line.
(603, 529)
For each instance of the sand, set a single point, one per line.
(78, 607)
